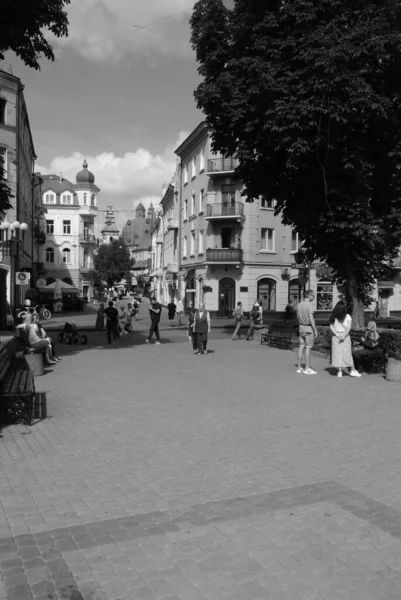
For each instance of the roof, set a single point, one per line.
(57, 184)
(193, 139)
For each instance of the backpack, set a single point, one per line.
(136, 305)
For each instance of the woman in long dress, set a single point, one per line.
(99, 325)
(341, 346)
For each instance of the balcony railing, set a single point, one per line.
(221, 165)
(172, 223)
(224, 255)
(87, 238)
(224, 211)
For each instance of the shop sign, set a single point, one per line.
(22, 278)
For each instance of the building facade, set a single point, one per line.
(17, 157)
(137, 234)
(68, 253)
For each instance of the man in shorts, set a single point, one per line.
(307, 332)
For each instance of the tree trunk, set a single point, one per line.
(358, 308)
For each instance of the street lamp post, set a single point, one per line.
(16, 246)
(302, 258)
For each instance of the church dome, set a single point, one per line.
(85, 176)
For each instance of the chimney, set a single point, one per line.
(61, 178)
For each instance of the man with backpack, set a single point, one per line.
(256, 317)
(135, 308)
(238, 316)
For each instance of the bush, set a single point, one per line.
(390, 341)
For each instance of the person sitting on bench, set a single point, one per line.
(369, 346)
(37, 338)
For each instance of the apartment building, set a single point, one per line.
(231, 250)
(70, 241)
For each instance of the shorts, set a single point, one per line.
(306, 339)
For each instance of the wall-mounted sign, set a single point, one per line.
(22, 278)
(243, 289)
(41, 283)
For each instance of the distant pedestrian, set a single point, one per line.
(135, 307)
(111, 315)
(155, 310)
(238, 315)
(179, 311)
(191, 333)
(341, 346)
(307, 332)
(171, 308)
(99, 325)
(129, 318)
(201, 328)
(123, 320)
(256, 317)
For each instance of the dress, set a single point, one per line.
(99, 325)
(341, 349)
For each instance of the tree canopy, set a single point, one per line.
(112, 262)
(307, 95)
(5, 192)
(21, 26)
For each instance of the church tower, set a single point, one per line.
(110, 231)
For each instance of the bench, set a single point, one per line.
(17, 391)
(279, 335)
(375, 359)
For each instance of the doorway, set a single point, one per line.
(228, 237)
(226, 296)
(267, 293)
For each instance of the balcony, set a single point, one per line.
(172, 267)
(219, 212)
(87, 210)
(87, 239)
(221, 166)
(173, 223)
(223, 256)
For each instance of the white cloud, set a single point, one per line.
(108, 30)
(136, 176)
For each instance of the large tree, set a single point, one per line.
(21, 25)
(307, 95)
(5, 192)
(112, 262)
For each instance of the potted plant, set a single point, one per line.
(391, 342)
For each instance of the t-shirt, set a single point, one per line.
(305, 312)
(156, 316)
(112, 314)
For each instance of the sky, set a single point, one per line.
(119, 93)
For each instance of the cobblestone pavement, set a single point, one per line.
(161, 475)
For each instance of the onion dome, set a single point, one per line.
(85, 176)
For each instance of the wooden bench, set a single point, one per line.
(374, 359)
(17, 391)
(279, 335)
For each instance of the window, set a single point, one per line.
(193, 168)
(267, 241)
(192, 243)
(3, 162)
(267, 202)
(228, 194)
(185, 174)
(50, 199)
(267, 293)
(201, 193)
(294, 241)
(85, 198)
(66, 256)
(49, 226)
(185, 246)
(3, 105)
(200, 243)
(295, 293)
(324, 297)
(202, 160)
(67, 227)
(49, 255)
(85, 260)
(193, 204)
(66, 199)
(185, 210)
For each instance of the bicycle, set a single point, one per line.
(43, 312)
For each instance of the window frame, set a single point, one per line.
(3, 111)
(201, 243)
(64, 253)
(192, 249)
(185, 212)
(50, 252)
(186, 174)
(296, 241)
(85, 199)
(67, 225)
(193, 204)
(185, 247)
(273, 238)
(4, 161)
(202, 160)
(193, 167)
(51, 195)
(201, 201)
(264, 199)
(49, 226)
(69, 198)
(324, 283)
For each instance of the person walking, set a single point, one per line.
(135, 308)
(99, 325)
(238, 315)
(171, 309)
(341, 346)
(123, 320)
(201, 328)
(191, 333)
(307, 332)
(256, 317)
(155, 310)
(129, 318)
(179, 310)
(111, 315)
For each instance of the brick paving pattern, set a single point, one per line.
(162, 475)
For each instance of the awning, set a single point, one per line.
(385, 285)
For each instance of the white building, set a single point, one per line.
(70, 241)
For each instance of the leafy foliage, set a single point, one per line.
(307, 95)
(5, 192)
(21, 26)
(112, 262)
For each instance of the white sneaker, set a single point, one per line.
(300, 370)
(355, 373)
(339, 374)
(310, 372)
(146, 341)
(157, 343)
